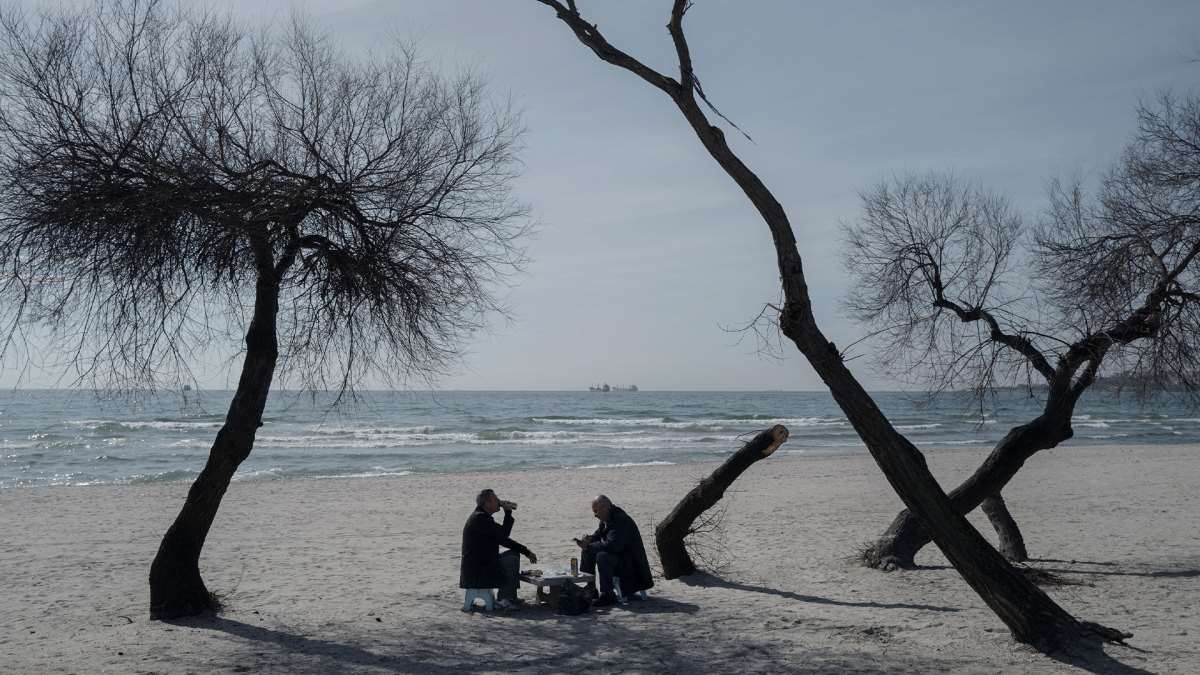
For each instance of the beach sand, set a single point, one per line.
(360, 575)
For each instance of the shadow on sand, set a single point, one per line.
(1089, 655)
(314, 649)
(1039, 564)
(706, 580)
(536, 612)
(629, 637)
(549, 644)
(1155, 574)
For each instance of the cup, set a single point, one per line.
(574, 567)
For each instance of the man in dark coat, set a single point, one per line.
(483, 566)
(616, 549)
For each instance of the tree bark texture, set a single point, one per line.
(669, 535)
(897, 547)
(176, 588)
(1012, 544)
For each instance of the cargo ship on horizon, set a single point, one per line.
(616, 387)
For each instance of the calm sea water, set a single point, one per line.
(75, 438)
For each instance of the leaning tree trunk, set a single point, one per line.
(897, 547)
(176, 588)
(1027, 611)
(669, 535)
(1031, 615)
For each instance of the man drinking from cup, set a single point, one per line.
(483, 566)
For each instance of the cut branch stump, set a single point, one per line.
(669, 535)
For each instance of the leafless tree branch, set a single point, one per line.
(155, 162)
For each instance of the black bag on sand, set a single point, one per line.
(572, 600)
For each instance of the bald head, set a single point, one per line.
(602, 507)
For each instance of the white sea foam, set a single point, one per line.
(374, 473)
(692, 424)
(370, 441)
(603, 421)
(633, 439)
(163, 476)
(100, 425)
(369, 431)
(277, 472)
(610, 440)
(620, 465)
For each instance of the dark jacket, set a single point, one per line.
(481, 540)
(620, 535)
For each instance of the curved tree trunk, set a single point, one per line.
(669, 534)
(1012, 544)
(1027, 611)
(897, 547)
(1031, 615)
(176, 588)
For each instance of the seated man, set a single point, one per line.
(616, 549)
(483, 566)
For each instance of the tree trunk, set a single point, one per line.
(1031, 615)
(670, 533)
(176, 588)
(1012, 544)
(1027, 611)
(897, 547)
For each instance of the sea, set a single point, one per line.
(72, 437)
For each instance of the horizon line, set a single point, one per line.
(469, 391)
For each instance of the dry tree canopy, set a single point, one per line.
(158, 165)
(965, 293)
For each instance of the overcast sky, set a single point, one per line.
(647, 253)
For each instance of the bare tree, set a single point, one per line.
(1028, 612)
(1114, 292)
(933, 260)
(167, 180)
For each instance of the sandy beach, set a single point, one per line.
(360, 575)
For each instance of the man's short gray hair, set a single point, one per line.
(602, 500)
(483, 496)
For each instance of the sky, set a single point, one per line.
(648, 257)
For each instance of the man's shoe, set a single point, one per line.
(506, 605)
(605, 600)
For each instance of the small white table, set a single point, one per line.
(549, 584)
